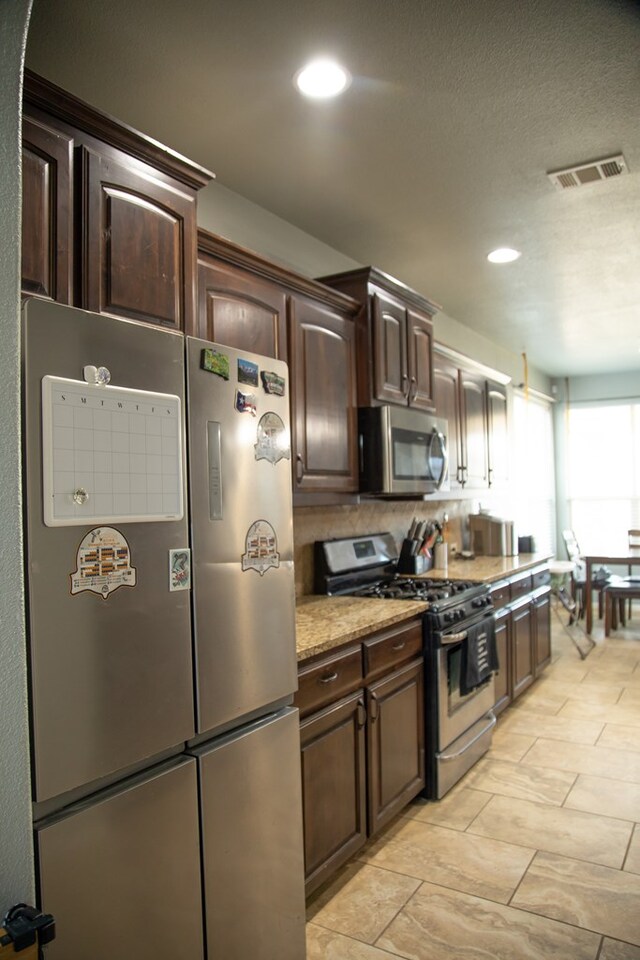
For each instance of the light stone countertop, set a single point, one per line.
(488, 569)
(326, 623)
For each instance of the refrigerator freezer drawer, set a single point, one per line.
(251, 811)
(122, 875)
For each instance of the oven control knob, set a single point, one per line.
(449, 615)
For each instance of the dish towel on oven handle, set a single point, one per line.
(479, 655)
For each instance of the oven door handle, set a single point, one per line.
(453, 638)
(458, 753)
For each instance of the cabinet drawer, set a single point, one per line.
(541, 578)
(500, 594)
(328, 679)
(520, 586)
(387, 650)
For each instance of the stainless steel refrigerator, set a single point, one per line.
(162, 661)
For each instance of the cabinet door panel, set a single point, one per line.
(390, 350)
(498, 438)
(238, 310)
(46, 212)
(395, 708)
(333, 787)
(324, 403)
(502, 678)
(139, 245)
(542, 614)
(420, 361)
(447, 403)
(474, 430)
(522, 639)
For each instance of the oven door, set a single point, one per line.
(457, 712)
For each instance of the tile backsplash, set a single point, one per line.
(375, 516)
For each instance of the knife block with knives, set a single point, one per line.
(415, 555)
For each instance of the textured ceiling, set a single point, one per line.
(437, 153)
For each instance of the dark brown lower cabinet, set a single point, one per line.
(523, 633)
(502, 679)
(395, 742)
(522, 640)
(333, 786)
(362, 742)
(542, 624)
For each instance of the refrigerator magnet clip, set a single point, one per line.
(215, 362)
(247, 372)
(272, 383)
(103, 563)
(99, 376)
(180, 569)
(273, 443)
(246, 403)
(261, 548)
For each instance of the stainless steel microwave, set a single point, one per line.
(402, 452)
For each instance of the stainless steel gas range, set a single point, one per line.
(459, 647)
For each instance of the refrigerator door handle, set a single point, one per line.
(214, 452)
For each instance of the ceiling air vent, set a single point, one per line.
(585, 173)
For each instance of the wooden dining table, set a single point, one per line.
(620, 557)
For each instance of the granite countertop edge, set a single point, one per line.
(326, 623)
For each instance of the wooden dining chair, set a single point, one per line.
(579, 576)
(616, 595)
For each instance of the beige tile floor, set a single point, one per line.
(535, 854)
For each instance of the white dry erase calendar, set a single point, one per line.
(110, 454)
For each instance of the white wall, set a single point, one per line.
(229, 215)
(16, 853)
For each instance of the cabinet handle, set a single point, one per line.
(405, 385)
(373, 707)
(329, 679)
(459, 474)
(413, 390)
(362, 715)
(399, 645)
(489, 473)
(299, 467)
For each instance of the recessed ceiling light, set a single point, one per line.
(321, 79)
(503, 255)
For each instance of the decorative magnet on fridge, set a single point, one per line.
(246, 403)
(272, 383)
(247, 372)
(103, 563)
(215, 362)
(261, 548)
(273, 442)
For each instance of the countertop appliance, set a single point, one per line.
(492, 537)
(166, 765)
(458, 635)
(402, 452)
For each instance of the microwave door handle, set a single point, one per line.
(445, 458)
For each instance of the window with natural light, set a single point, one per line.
(603, 491)
(533, 471)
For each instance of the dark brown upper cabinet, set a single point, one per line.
(324, 417)
(46, 212)
(476, 411)
(242, 298)
(109, 215)
(253, 304)
(395, 339)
